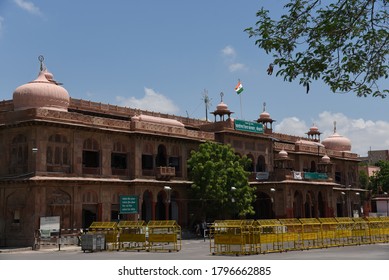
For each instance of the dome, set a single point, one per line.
(337, 142)
(43, 92)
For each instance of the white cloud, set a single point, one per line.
(229, 51)
(364, 134)
(236, 67)
(229, 55)
(151, 101)
(28, 6)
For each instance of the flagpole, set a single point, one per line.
(241, 112)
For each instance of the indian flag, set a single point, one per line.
(239, 88)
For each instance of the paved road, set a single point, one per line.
(199, 250)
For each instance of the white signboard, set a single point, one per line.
(49, 225)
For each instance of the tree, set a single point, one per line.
(220, 182)
(344, 43)
(379, 182)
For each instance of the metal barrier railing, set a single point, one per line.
(164, 236)
(132, 235)
(242, 237)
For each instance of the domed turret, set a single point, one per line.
(222, 109)
(314, 133)
(43, 92)
(266, 120)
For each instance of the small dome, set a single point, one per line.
(222, 107)
(264, 115)
(43, 92)
(313, 129)
(325, 159)
(283, 154)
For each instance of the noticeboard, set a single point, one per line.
(129, 204)
(49, 226)
(248, 126)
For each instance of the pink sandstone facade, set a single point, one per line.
(74, 159)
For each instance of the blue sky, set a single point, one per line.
(162, 55)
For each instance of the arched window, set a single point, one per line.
(261, 164)
(175, 159)
(91, 156)
(118, 159)
(161, 159)
(250, 168)
(57, 154)
(147, 159)
(19, 154)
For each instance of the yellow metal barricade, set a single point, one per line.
(344, 229)
(361, 234)
(231, 237)
(270, 235)
(132, 235)
(311, 235)
(385, 225)
(328, 231)
(164, 236)
(292, 235)
(376, 229)
(109, 229)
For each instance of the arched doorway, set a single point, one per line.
(309, 206)
(147, 213)
(263, 207)
(90, 208)
(298, 205)
(160, 210)
(321, 206)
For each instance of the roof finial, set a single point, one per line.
(221, 96)
(41, 58)
(264, 106)
(334, 127)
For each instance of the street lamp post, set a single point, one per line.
(273, 191)
(168, 197)
(233, 189)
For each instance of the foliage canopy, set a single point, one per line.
(220, 181)
(345, 43)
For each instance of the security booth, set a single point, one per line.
(231, 237)
(292, 235)
(132, 235)
(328, 231)
(164, 236)
(110, 232)
(344, 231)
(270, 237)
(311, 234)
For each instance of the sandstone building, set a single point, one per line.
(74, 159)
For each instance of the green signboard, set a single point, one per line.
(248, 126)
(129, 204)
(315, 176)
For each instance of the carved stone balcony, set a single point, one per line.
(165, 173)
